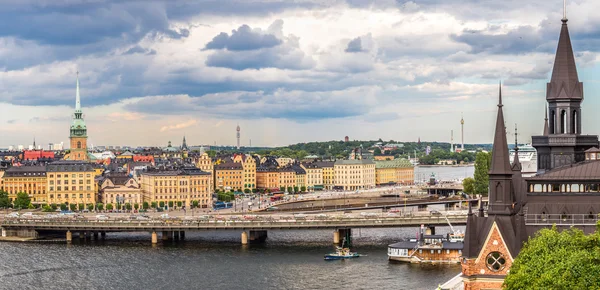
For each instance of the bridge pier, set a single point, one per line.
(244, 238)
(182, 235)
(81, 235)
(258, 236)
(429, 230)
(154, 238)
(103, 234)
(69, 237)
(96, 236)
(166, 235)
(340, 234)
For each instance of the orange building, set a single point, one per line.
(229, 176)
(267, 178)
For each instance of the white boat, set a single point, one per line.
(528, 159)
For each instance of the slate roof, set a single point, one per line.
(564, 83)
(587, 170)
(229, 166)
(69, 166)
(19, 171)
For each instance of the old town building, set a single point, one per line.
(287, 178)
(398, 171)
(328, 173)
(185, 185)
(249, 170)
(121, 189)
(71, 182)
(28, 179)
(314, 176)
(229, 176)
(267, 178)
(354, 174)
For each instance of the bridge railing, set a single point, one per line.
(561, 219)
(374, 221)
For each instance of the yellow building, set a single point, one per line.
(186, 186)
(287, 178)
(126, 155)
(249, 168)
(229, 176)
(205, 164)
(354, 174)
(314, 176)
(399, 171)
(71, 182)
(300, 177)
(121, 189)
(328, 173)
(267, 178)
(29, 179)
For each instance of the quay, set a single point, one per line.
(251, 230)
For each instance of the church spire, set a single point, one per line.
(77, 98)
(516, 165)
(564, 83)
(500, 158)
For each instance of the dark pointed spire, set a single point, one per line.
(546, 131)
(516, 165)
(500, 158)
(564, 83)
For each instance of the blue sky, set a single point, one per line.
(286, 71)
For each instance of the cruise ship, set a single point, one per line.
(528, 159)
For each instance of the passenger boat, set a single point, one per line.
(341, 253)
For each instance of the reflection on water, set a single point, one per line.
(216, 260)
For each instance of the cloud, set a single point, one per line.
(138, 49)
(244, 38)
(354, 46)
(178, 126)
(11, 121)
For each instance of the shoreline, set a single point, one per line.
(467, 165)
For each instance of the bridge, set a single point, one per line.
(254, 230)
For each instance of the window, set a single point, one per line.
(78, 144)
(495, 261)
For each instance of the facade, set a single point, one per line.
(205, 164)
(314, 176)
(29, 179)
(249, 168)
(267, 178)
(186, 186)
(399, 171)
(287, 178)
(71, 182)
(300, 174)
(78, 132)
(229, 176)
(328, 173)
(354, 174)
(120, 190)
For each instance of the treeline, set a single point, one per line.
(436, 155)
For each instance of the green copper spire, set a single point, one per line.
(78, 127)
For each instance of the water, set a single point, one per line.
(216, 260)
(443, 172)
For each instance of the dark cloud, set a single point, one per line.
(278, 58)
(141, 50)
(354, 46)
(524, 39)
(243, 38)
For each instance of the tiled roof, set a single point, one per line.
(396, 163)
(587, 170)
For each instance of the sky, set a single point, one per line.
(285, 71)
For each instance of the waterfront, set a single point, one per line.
(447, 173)
(216, 260)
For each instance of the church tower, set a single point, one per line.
(78, 134)
(493, 242)
(562, 142)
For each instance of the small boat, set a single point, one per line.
(341, 253)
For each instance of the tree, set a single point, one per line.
(109, 206)
(282, 188)
(469, 185)
(128, 206)
(162, 204)
(557, 260)
(482, 166)
(145, 205)
(73, 207)
(179, 204)
(195, 203)
(47, 208)
(4, 201)
(100, 206)
(289, 189)
(211, 153)
(295, 189)
(81, 206)
(170, 203)
(90, 207)
(22, 200)
(303, 188)
(255, 190)
(377, 151)
(136, 206)
(63, 206)
(53, 206)
(154, 204)
(247, 190)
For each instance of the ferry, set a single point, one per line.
(528, 159)
(429, 248)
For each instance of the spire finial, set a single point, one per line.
(564, 19)
(516, 143)
(77, 98)
(500, 94)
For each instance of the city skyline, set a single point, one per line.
(375, 72)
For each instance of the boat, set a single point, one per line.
(429, 247)
(342, 253)
(528, 159)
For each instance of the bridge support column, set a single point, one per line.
(69, 237)
(182, 235)
(154, 238)
(166, 235)
(258, 237)
(336, 237)
(344, 234)
(244, 238)
(88, 235)
(96, 236)
(430, 230)
(81, 235)
(103, 235)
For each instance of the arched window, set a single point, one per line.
(552, 122)
(574, 122)
(563, 122)
(78, 144)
